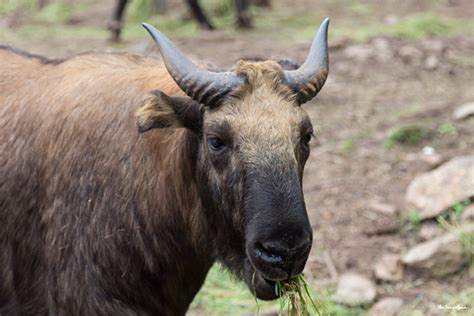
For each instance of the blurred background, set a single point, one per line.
(389, 185)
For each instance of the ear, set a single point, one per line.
(162, 111)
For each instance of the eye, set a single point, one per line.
(307, 138)
(215, 143)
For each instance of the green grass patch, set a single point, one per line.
(408, 135)
(448, 129)
(348, 144)
(416, 26)
(295, 297)
(453, 214)
(10, 6)
(412, 221)
(461, 302)
(178, 23)
(427, 25)
(451, 221)
(223, 295)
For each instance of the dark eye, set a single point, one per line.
(215, 143)
(307, 138)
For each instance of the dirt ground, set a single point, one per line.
(374, 87)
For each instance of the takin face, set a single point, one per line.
(253, 145)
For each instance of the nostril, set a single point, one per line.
(269, 254)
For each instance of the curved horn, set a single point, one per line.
(201, 85)
(308, 80)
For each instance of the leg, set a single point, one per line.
(199, 15)
(244, 20)
(115, 24)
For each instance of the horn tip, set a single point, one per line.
(146, 25)
(325, 24)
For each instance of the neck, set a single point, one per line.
(183, 244)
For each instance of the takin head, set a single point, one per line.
(253, 145)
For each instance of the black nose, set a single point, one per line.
(278, 260)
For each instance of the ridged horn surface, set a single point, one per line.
(203, 86)
(308, 80)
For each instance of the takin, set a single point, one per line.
(100, 217)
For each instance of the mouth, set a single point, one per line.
(262, 282)
(262, 270)
(261, 287)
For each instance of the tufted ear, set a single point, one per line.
(163, 111)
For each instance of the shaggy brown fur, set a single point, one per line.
(98, 219)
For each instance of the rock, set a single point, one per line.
(433, 192)
(468, 214)
(360, 52)
(440, 256)
(354, 289)
(432, 62)
(382, 48)
(389, 306)
(429, 231)
(464, 111)
(383, 208)
(389, 268)
(410, 55)
(431, 157)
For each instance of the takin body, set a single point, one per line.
(101, 219)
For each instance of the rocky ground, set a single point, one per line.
(390, 181)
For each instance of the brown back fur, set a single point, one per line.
(84, 199)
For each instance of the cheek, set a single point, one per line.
(220, 162)
(222, 177)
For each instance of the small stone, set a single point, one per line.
(468, 214)
(389, 306)
(432, 62)
(464, 111)
(410, 55)
(431, 157)
(429, 231)
(433, 192)
(354, 289)
(440, 256)
(389, 268)
(383, 208)
(428, 151)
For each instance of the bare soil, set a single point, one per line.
(367, 95)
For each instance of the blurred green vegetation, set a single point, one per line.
(222, 13)
(223, 295)
(408, 135)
